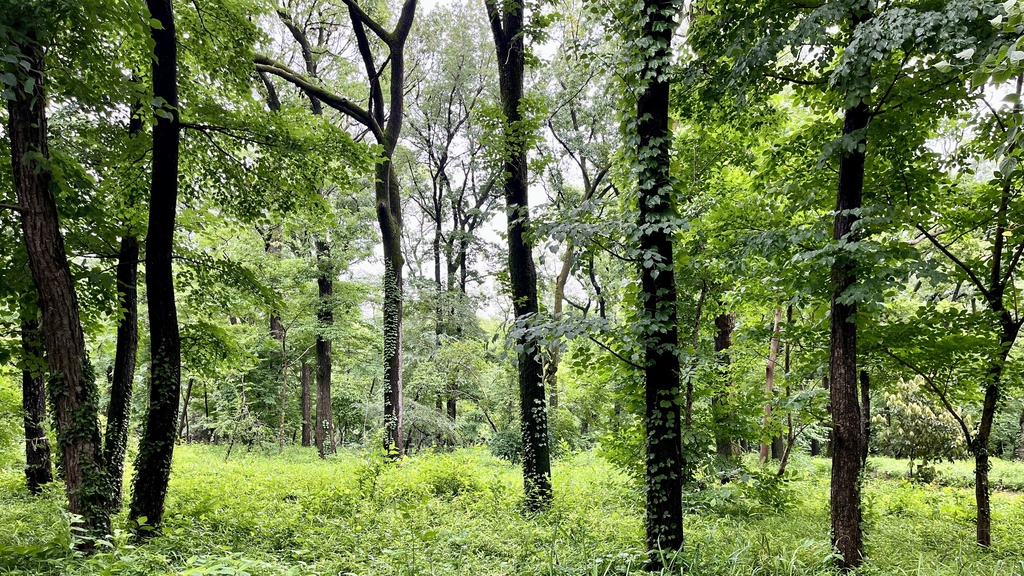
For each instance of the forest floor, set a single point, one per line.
(459, 513)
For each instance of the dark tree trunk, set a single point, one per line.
(33, 401)
(451, 406)
(72, 385)
(390, 220)
(156, 447)
(123, 381)
(720, 412)
(865, 415)
(509, 42)
(323, 433)
(843, 392)
(664, 460)
(307, 429)
(1020, 438)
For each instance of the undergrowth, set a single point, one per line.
(461, 514)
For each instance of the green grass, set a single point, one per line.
(460, 514)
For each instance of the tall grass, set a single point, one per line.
(461, 514)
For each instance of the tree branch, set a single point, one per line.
(959, 263)
(343, 105)
(942, 396)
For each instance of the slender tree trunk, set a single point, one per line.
(509, 42)
(720, 411)
(123, 381)
(307, 428)
(846, 416)
(184, 406)
(769, 387)
(72, 385)
(324, 429)
(865, 415)
(284, 391)
(156, 448)
(664, 459)
(451, 406)
(33, 402)
(554, 351)
(1020, 438)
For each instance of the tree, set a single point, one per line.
(72, 385)
(507, 28)
(649, 33)
(385, 124)
(156, 448)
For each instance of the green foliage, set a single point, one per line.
(910, 425)
(459, 514)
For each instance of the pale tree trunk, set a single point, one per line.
(554, 351)
(184, 406)
(769, 386)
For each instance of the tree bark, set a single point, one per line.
(554, 351)
(324, 429)
(72, 385)
(724, 325)
(664, 459)
(307, 429)
(843, 392)
(769, 386)
(123, 381)
(509, 43)
(1020, 438)
(284, 390)
(390, 220)
(184, 407)
(33, 402)
(865, 415)
(156, 448)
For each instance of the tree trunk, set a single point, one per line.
(664, 459)
(865, 415)
(72, 386)
(452, 408)
(724, 325)
(843, 392)
(123, 381)
(284, 391)
(509, 42)
(33, 401)
(324, 429)
(554, 351)
(307, 429)
(156, 448)
(1020, 438)
(390, 221)
(184, 406)
(769, 386)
